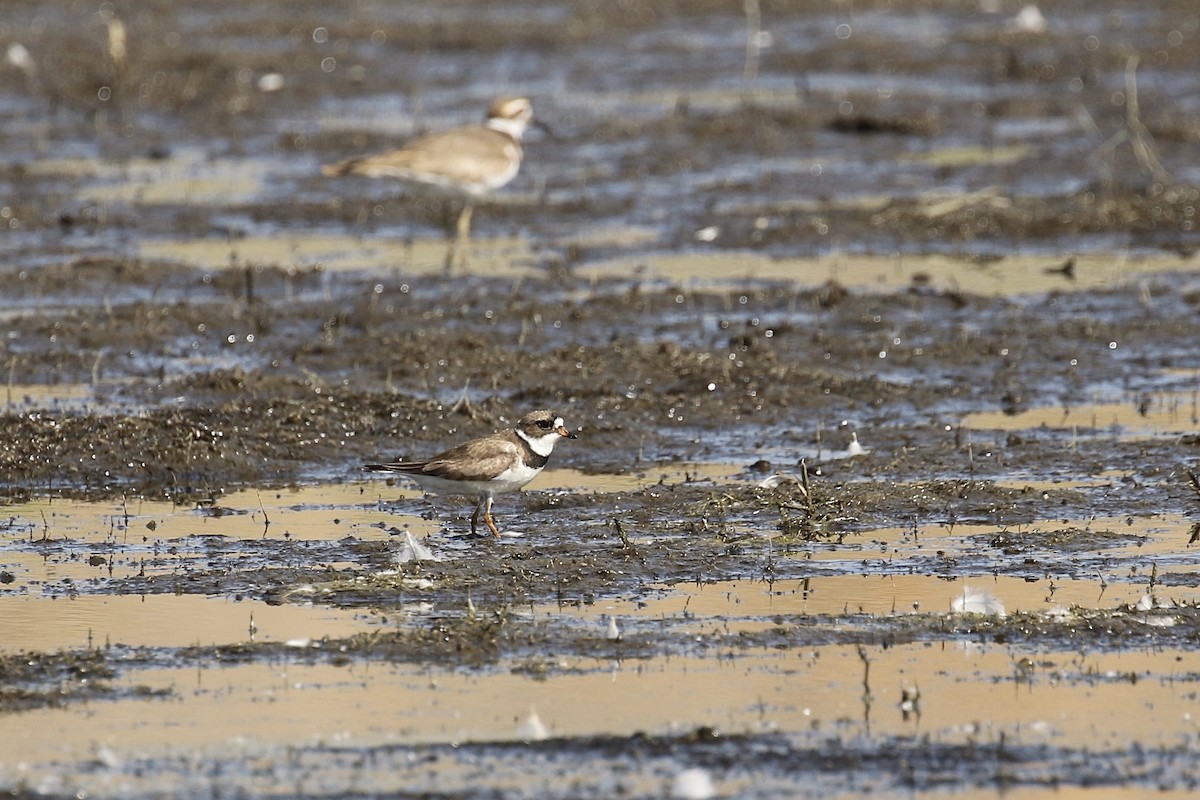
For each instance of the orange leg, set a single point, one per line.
(461, 243)
(487, 517)
(485, 505)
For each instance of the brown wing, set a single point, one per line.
(474, 150)
(477, 460)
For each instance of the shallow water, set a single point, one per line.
(1154, 414)
(958, 691)
(979, 694)
(1017, 275)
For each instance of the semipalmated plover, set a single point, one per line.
(485, 467)
(466, 163)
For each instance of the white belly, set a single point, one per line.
(508, 481)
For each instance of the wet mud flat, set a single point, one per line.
(725, 539)
(879, 337)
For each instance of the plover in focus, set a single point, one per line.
(502, 462)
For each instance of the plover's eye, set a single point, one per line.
(544, 424)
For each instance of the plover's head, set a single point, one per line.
(512, 115)
(542, 429)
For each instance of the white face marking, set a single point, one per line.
(513, 127)
(543, 445)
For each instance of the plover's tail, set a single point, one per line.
(398, 466)
(340, 168)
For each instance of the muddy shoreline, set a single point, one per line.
(282, 402)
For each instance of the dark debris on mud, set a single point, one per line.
(348, 375)
(506, 636)
(591, 546)
(55, 680)
(644, 766)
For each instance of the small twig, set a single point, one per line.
(866, 660)
(625, 543)
(248, 278)
(263, 509)
(463, 404)
(812, 509)
(753, 39)
(1194, 481)
(1139, 136)
(866, 681)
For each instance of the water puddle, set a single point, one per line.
(1113, 563)
(102, 396)
(59, 546)
(753, 606)
(1097, 544)
(975, 694)
(946, 689)
(56, 547)
(969, 156)
(186, 175)
(51, 397)
(1013, 275)
(500, 256)
(194, 180)
(88, 621)
(1156, 414)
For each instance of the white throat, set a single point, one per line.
(513, 127)
(542, 445)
